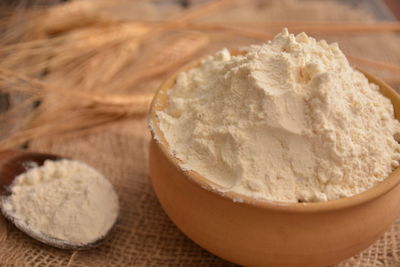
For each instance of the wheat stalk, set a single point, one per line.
(171, 53)
(374, 63)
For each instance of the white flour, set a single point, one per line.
(289, 121)
(66, 200)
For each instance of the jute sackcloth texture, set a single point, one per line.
(144, 236)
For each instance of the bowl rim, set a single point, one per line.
(304, 207)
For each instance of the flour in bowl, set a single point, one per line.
(289, 120)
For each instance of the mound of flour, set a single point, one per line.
(288, 121)
(66, 200)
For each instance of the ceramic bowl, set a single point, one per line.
(253, 232)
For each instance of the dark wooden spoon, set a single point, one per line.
(16, 162)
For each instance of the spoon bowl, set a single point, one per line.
(16, 162)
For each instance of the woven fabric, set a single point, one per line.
(144, 235)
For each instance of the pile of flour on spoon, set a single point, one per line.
(289, 120)
(65, 200)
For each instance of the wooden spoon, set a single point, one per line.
(15, 162)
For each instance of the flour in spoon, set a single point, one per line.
(289, 120)
(65, 200)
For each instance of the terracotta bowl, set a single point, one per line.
(260, 233)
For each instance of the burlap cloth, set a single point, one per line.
(144, 236)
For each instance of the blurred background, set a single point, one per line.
(77, 78)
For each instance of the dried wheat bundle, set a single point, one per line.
(161, 57)
(84, 66)
(78, 46)
(383, 65)
(65, 110)
(33, 23)
(68, 51)
(299, 26)
(250, 30)
(72, 58)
